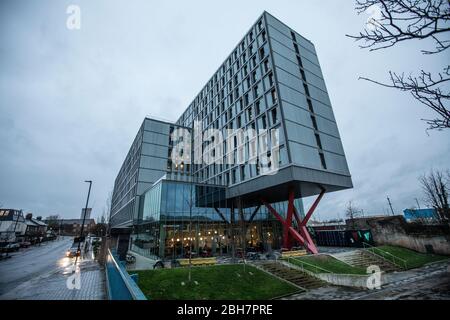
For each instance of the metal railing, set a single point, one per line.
(389, 257)
(312, 268)
(120, 285)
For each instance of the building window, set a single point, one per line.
(293, 36)
(262, 53)
(271, 79)
(305, 86)
(296, 48)
(246, 100)
(266, 66)
(240, 104)
(254, 76)
(254, 61)
(303, 74)
(249, 114)
(258, 107)
(300, 62)
(310, 106)
(274, 116)
(322, 160)
(256, 91)
(319, 143)
(273, 94)
(314, 122)
(233, 176)
(260, 25)
(264, 122)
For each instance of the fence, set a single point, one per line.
(343, 238)
(119, 284)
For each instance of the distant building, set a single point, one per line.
(327, 225)
(423, 215)
(12, 224)
(36, 228)
(72, 227)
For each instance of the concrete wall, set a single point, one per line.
(346, 280)
(396, 231)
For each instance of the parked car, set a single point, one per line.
(73, 252)
(50, 237)
(96, 239)
(130, 259)
(11, 247)
(25, 244)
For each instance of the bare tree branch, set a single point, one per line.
(427, 90)
(403, 20)
(436, 188)
(352, 212)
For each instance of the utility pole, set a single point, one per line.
(390, 205)
(82, 225)
(20, 213)
(418, 205)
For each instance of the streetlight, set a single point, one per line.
(82, 225)
(191, 203)
(390, 205)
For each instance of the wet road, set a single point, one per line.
(32, 262)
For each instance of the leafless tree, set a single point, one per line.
(352, 212)
(436, 187)
(404, 20)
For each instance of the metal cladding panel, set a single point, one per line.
(274, 188)
(312, 135)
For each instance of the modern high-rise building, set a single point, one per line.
(259, 136)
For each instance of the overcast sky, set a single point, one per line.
(71, 101)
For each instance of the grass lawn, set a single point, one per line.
(328, 263)
(222, 282)
(413, 259)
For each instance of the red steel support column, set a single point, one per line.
(313, 207)
(290, 212)
(302, 235)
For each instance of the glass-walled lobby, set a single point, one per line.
(178, 218)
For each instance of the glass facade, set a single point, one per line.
(179, 216)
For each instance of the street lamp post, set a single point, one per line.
(390, 205)
(84, 219)
(191, 203)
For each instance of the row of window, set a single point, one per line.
(232, 72)
(308, 99)
(125, 184)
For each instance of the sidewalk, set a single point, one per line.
(428, 282)
(53, 285)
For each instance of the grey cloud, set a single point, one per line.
(71, 101)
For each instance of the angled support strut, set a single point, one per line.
(301, 234)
